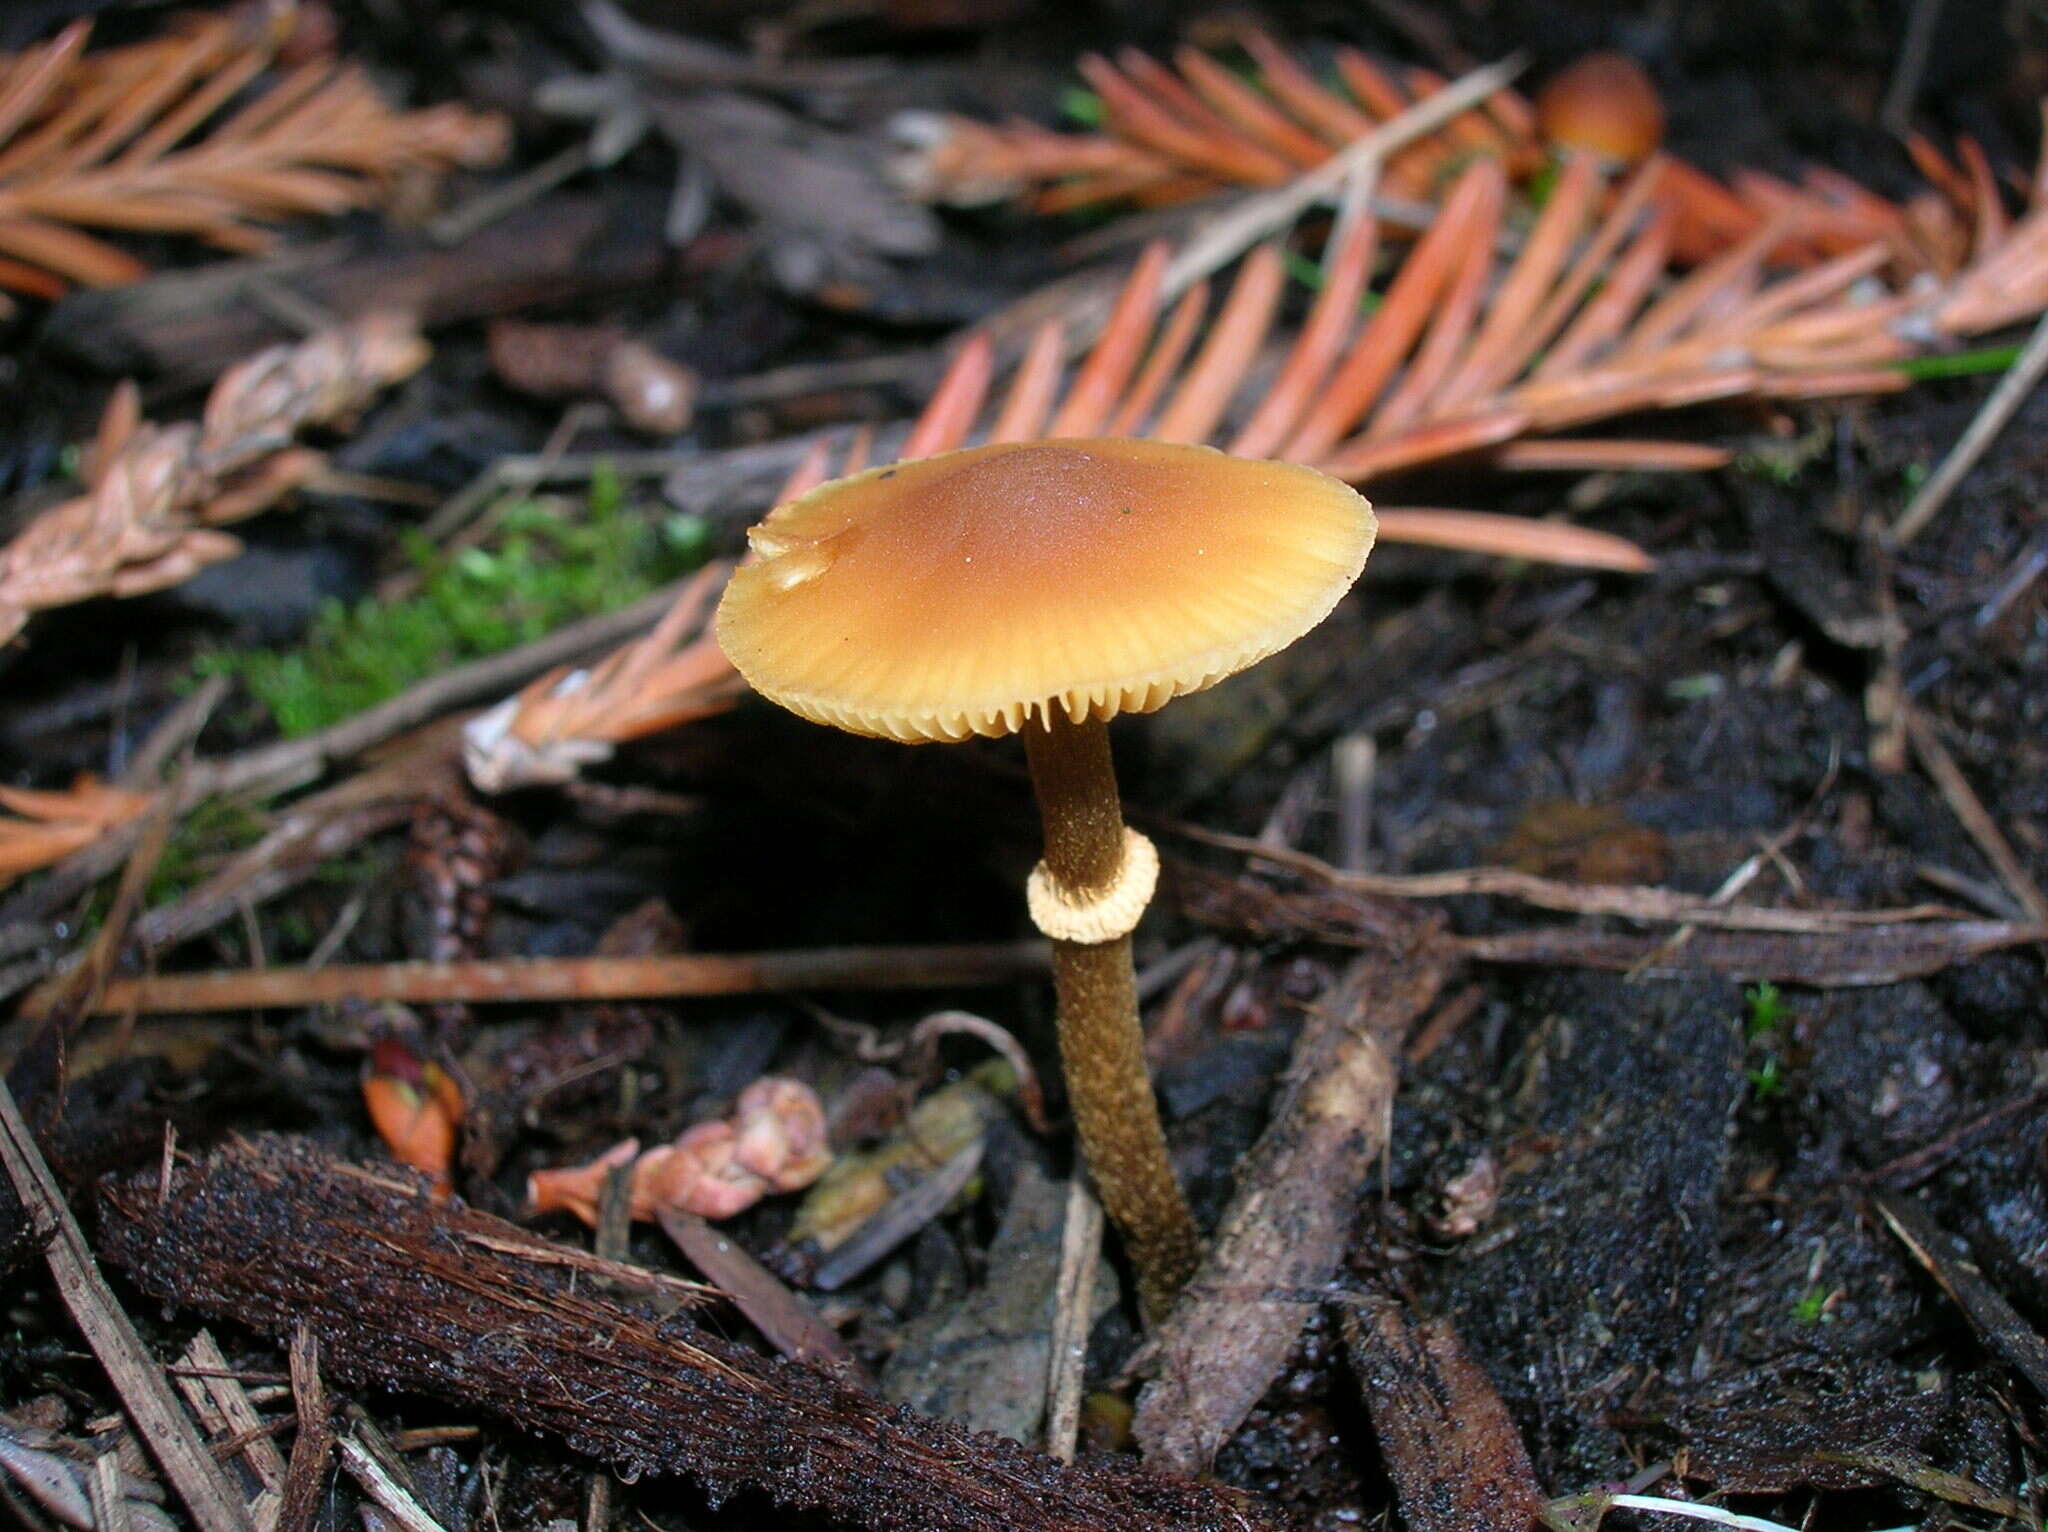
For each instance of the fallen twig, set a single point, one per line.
(1976, 820)
(134, 1373)
(1073, 1310)
(1358, 911)
(1838, 959)
(1999, 407)
(896, 1220)
(221, 1405)
(408, 1293)
(1986, 1308)
(1916, 1165)
(1630, 902)
(313, 1447)
(393, 1498)
(488, 981)
(186, 326)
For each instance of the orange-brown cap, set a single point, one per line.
(970, 592)
(1605, 105)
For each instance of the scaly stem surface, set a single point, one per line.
(1101, 1045)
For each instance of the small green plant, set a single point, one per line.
(1959, 364)
(1699, 688)
(1083, 107)
(1812, 1306)
(1773, 467)
(1766, 1010)
(1542, 186)
(544, 569)
(1764, 1014)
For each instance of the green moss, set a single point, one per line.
(544, 569)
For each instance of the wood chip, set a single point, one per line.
(1456, 1459)
(1293, 1212)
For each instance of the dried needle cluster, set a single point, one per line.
(1468, 355)
(155, 495)
(191, 133)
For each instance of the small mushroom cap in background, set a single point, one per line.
(970, 592)
(1605, 105)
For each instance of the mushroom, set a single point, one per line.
(1605, 105)
(1041, 588)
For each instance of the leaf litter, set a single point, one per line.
(1605, 1218)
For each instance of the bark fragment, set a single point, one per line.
(443, 1301)
(1457, 1462)
(1295, 1207)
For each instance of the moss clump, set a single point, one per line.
(543, 570)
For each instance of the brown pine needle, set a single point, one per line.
(40, 828)
(191, 133)
(1591, 321)
(1190, 130)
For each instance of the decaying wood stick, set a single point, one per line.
(1073, 1293)
(1829, 960)
(1457, 1462)
(487, 981)
(1843, 956)
(1292, 1216)
(1976, 820)
(1663, 906)
(436, 1299)
(2001, 1326)
(313, 1447)
(135, 1374)
(190, 324)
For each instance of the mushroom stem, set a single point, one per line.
(1101, 1044)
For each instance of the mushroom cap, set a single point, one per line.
(1605, 104)
(972, 591)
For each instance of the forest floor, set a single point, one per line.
(1668, 1213)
